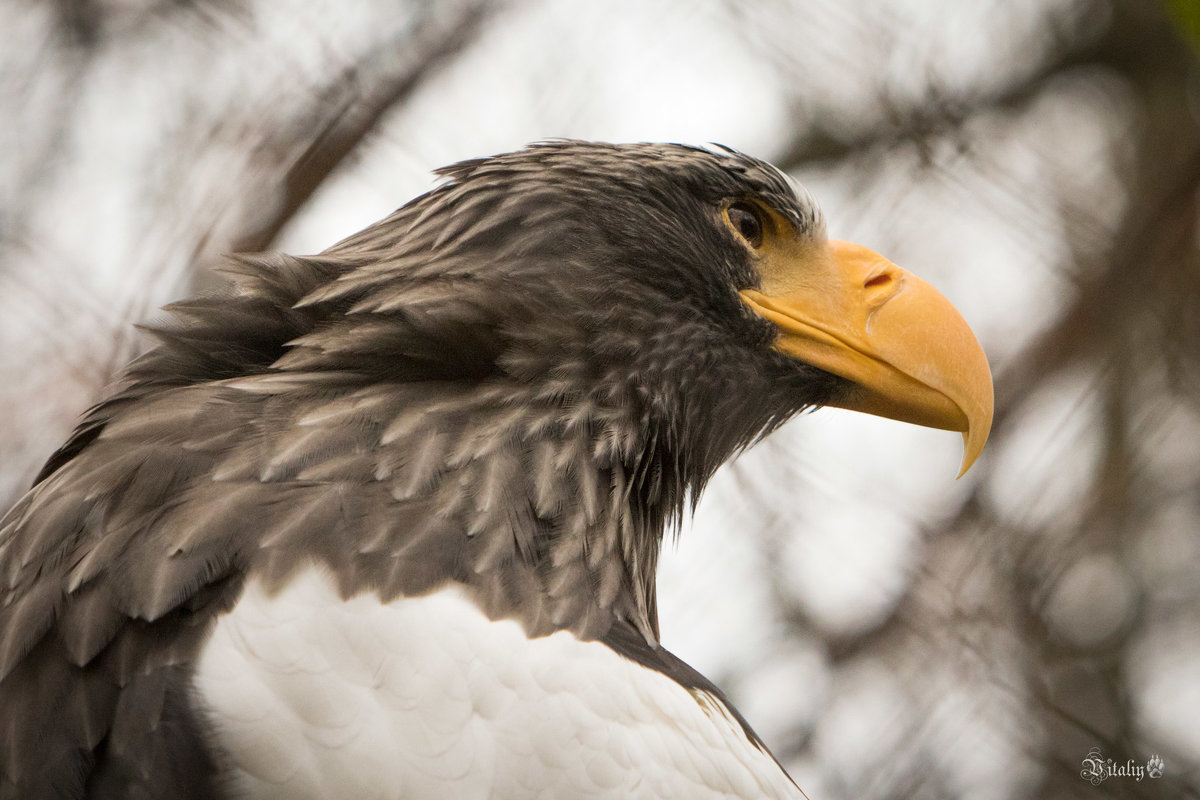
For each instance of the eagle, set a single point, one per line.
(384, 522)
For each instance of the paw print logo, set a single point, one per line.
(1155, 766)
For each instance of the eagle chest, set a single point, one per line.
(309, 695)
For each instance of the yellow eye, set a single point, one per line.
(745, 219)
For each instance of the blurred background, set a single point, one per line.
(891, 632)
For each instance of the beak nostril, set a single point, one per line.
(880, 280)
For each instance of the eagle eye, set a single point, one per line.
(745, 219)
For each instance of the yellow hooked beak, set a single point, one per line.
(853, 313)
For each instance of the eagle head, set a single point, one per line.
(696, 286)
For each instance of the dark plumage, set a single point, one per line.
(513, 384)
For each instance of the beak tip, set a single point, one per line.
(974, 438)
(963, 469)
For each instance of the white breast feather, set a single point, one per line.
(312, 696)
